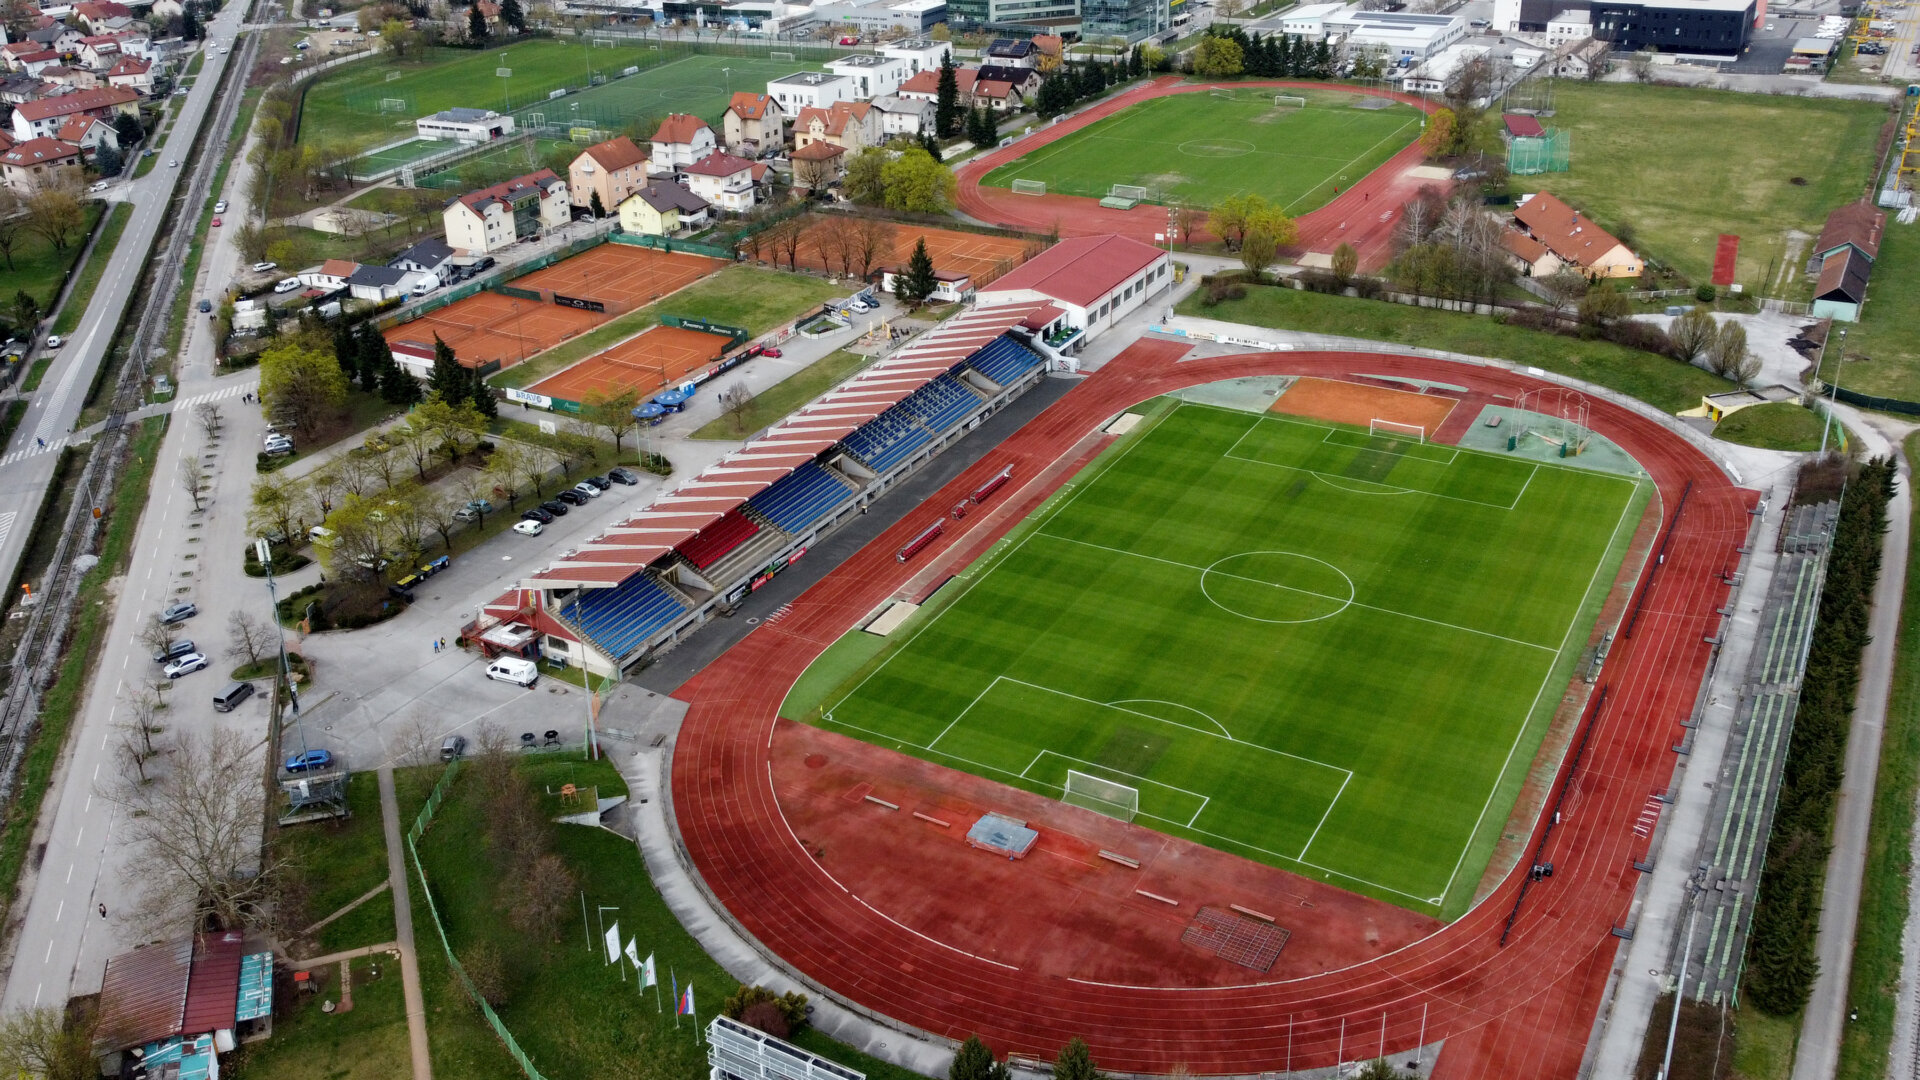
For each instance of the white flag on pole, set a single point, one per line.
(633, 952)
(613, 943)
(647, 977)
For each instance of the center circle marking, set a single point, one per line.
(1322, 589)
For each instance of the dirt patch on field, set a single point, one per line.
(1352, 403)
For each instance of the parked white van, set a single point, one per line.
(515, 670)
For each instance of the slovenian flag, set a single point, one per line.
(685, 1006)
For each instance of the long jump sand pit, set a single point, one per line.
(980, 257)
(1353, 403)
(488, 326)
(649, 363)
(629, 276)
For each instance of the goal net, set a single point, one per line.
(1221, 92)
(1029, 187)
(775, 55)
(1396, 430)
(1129, 191)
(393, 104)
(1089, 792)
(1289, 101)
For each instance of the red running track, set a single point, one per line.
(1363, 215)
(1525, 1009)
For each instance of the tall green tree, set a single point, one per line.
(477, 31)
(917, 282)
(374, 357)
(300, 386)
(974, 1061)
(513, 15)
(1075, 1062)
(448, 378)
(946, 105)
(480, 396)
(917, 183)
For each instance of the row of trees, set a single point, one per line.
(1228, 50)
(1073, 83)
(1781, 964)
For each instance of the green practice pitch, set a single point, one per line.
(1324, 650)
(1200, 148)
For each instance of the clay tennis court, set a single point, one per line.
(488, 326)
(629, 276)
(982, 258)
(650, 362)
(1352, 403)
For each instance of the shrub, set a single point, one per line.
(1705, 294)
(742, 1003)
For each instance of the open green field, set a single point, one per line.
(1200, 149)
(377, 101)
(1323, 650)
(38, 268)
(1883, 348)
(1680, 166)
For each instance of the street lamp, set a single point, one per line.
(1833, 392)
(263, 551)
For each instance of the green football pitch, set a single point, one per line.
(1329, 651)
(379, 101)
(1199, 149)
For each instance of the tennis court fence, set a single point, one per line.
(661, 243)
(498, 284)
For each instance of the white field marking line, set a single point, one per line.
(1315, 835)
(1170, 723)
(1175, 704)
(1231, 841)
(1524, 485)
(993, 560)
(1572, 622)
(1394, 134)
(1280, 418)
(961, 714)
(1451, 451)
(1204, 799)
(771, 789)
(1304, 592)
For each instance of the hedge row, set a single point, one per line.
(1780, 947)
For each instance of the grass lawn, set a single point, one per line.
(1199, 148)
(1784, 425)
(368, 1042)
(569, 1010)
(10, 419)
(771, 405)
(1883, 893)
(1641, 157)
(1763, 1045)
(1883, 348)
(746, 296)
(1656, 380)
(35, 373)
(338, 862)
(90, 274)
(346, 106)
(39, 269)
(1226, 581)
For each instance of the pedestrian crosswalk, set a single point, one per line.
(6, 526)
(224, 392)
(40, 447)
(44, 445)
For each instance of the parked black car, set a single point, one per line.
(571, 497)
(538, 514)
(620, 475)
(600, 482)
(554, 507)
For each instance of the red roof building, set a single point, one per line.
(1095, 280)
(34, 119)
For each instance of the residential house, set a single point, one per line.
(818, 165)
(381, 283)
(1575, 239)
(872, 75)
(849, 125)
(89, 133)
(1529, 257)
(132, 73)
(682, 140)
(36, 119)
(994, 94)
(331, 275)
(18, 87)
(59, 38)
(1025, 82)
(612, 170)
(1581, 59)
(724, 181)
(101, 16)
(663, 208)
(921, 54)
(34, 164)
(901, 116)
(36, 62)
(100, 52)
(433, 257)
(1013, 52)
(70, 77)
(505, 213)
(926, 86)
(753, 123)
(810, 90)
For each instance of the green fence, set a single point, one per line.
(524, 294)
(1868, 401)
(419, 829)
(735, 334)
(662, 243)
(520, 270)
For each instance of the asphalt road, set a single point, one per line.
(61, 942)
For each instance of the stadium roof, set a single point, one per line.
(676, 516)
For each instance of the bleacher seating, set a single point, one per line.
(712, 543)
(888, 439)
(943, 402)
(620, 619)
(1004, 361)
(800, 498)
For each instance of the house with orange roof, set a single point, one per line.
(89, 133)
(613, 170)
(1575, 239)
(681, 140)
(753, 123)
(850, 125)
(725, 181)
(36, 164)
(132, 73)
(42, 118)
(505, 213)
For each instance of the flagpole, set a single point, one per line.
(676, 996)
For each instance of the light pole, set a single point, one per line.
(1834, 391)
(263, 551)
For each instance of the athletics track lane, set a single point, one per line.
(1353, 216)
(1525, 1009)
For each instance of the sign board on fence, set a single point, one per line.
(538, 401)
(578, 302)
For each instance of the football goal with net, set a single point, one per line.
(1029, 187)
(1089, 792)
(393, 104)
(1289, 101)
(1394, 429)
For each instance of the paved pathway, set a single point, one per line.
(403, 929)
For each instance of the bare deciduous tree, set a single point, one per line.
(192, 836)
(414, 741)
(155, 634)
(1565, 287)
(249, 637)
(194, 480)
(871, 239)
(208, 414)
(1692, 334)
(735, 401)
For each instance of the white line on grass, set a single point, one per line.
(1323, 818)
(1304, 592)
(1356, 158)
(1164, 720)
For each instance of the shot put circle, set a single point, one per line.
(1216, 148)
(1279, 587)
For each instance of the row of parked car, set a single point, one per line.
(534, 520)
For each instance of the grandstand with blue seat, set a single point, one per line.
(621, 619)
(800, 498)
(1004, 360)
(888, 439)
(943, 403)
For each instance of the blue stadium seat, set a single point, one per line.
(800, 498)
(887, 439)
(621, 618)
(1004, 360)
(943, 403)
